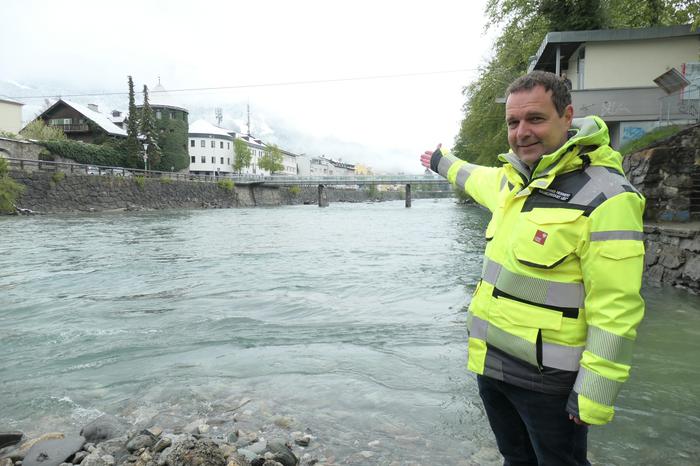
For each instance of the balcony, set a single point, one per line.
(80, 128)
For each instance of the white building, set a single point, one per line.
(10, 115)
(210, 149)
(324, 166)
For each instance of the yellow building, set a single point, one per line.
(363, 169)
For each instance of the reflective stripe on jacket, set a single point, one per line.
(558, 303)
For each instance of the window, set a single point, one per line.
(191, 142)
(221, 145)
(228, 161)
(213, 144)
(213, 160)
(228, 145)
(202, 143)
(158, 115)
(222, 160)
(192, 159)
(172, 115)
(203, 159)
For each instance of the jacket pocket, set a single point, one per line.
(546, 237)
(614, 250)
(518, 328)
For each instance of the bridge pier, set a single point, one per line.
(408, 195)
(322, 196)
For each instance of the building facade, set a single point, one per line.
(210, 149)
(613, 71)
(10, 115)
(81, 123)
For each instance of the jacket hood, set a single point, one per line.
(589, 135)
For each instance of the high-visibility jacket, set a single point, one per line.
(558, 303)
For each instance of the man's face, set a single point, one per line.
(534, 126)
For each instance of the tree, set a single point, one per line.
(9, 189)
(271, 159)
(242, 156)
(148, 131)
(38, 130)
(132, 146)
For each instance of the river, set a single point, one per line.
(349, 319)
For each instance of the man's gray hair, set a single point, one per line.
(561, 97)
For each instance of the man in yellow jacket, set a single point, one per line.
(553, 320)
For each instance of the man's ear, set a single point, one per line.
(569, 114)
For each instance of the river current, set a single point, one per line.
(348, 319)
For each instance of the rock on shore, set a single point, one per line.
(110, 441)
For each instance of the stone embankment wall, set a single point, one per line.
(47, 193)
(673, 255)
(664, 173)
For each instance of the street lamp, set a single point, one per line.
(145, 156)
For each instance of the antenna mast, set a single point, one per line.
(248, 119)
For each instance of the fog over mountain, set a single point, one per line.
(264, 122)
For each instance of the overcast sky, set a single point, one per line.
(91, 46)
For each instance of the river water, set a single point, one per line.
(349, 320)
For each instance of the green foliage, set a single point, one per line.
(9, 189)
(657, 134)
(625, 14)
(132, 146)
(172, 140)
(58, 177)
(81, 152)
(9, 135)
(44, 154)
(243, 155)
(148, 131)
(294, 190)
(38, 130)
(140, 181)
(373, 191)
(226, 185)
(165, 180)
(524, 24)
(271, 159)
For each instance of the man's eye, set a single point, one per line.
(512, 124)
(537, 119)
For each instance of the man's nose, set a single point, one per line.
(523, 130)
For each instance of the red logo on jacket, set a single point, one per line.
(540, 237)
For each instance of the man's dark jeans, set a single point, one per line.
(532, 428)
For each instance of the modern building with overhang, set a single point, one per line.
(613, 73)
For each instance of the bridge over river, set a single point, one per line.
(357, 181)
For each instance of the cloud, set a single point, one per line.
(93, 46)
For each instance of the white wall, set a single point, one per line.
(635, 63)
(216, 159)
(10, 117)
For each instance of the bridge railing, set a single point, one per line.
(278, 180)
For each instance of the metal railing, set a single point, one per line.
(274, 180)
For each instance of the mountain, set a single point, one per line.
(265, 123)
